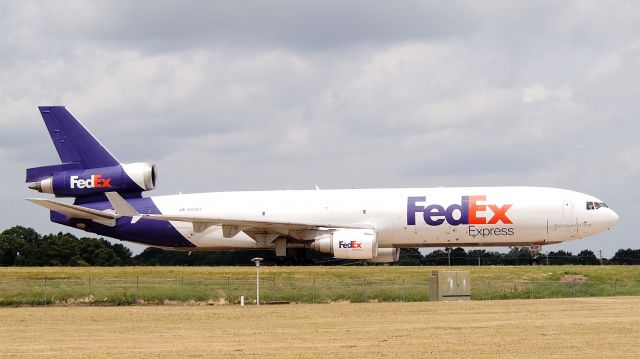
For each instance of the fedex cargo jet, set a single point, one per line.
(363, 224)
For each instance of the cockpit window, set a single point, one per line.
(596, 205)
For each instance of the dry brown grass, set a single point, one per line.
(555, 328)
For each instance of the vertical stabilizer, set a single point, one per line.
(74, 143)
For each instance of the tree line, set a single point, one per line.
(20, 246)
(515, 256)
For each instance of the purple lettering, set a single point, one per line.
(412, 209)
(431, 211)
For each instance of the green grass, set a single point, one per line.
(483, 273)
(215, 285)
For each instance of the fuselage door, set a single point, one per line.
(567, 208)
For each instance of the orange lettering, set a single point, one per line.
(474, 208)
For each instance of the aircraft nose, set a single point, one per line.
(611, 218)
(615, 218)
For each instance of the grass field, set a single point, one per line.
(554, 328)
(217, 285)
(480, 274)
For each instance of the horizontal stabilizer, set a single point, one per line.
(73, 211)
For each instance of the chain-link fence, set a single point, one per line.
(228, 291)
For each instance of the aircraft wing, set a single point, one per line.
(221, 221)
(259, 230)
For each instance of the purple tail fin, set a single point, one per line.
(73, 142)
(76, 146)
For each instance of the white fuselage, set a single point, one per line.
(411, 217)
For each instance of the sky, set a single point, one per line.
(260, 95)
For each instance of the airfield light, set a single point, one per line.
(257, 261)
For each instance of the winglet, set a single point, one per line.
(122, 207)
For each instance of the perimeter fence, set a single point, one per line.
(228, 291)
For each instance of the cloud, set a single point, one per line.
(605, 65)
(538, 92)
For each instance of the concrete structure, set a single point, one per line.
(449, 285)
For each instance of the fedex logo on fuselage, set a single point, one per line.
(471, 210)
(95, 181)
(350, 244)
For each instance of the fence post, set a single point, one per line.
(405, 296)
(615, 287)
(531, 287)
(137, 288)
(45, 291)
(228, 290)
(90, 291)
(364, 289)
(574, 288)
(182, 289)
(313, 291)
(489, 285)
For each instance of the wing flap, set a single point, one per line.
(234, 223)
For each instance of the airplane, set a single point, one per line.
(362, 224)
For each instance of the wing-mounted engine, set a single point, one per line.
(354, 244)
(125, 178)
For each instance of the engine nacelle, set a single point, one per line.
(132, 177)
(348, 244)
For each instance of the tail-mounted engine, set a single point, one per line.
(132, 177)
(355, 244)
